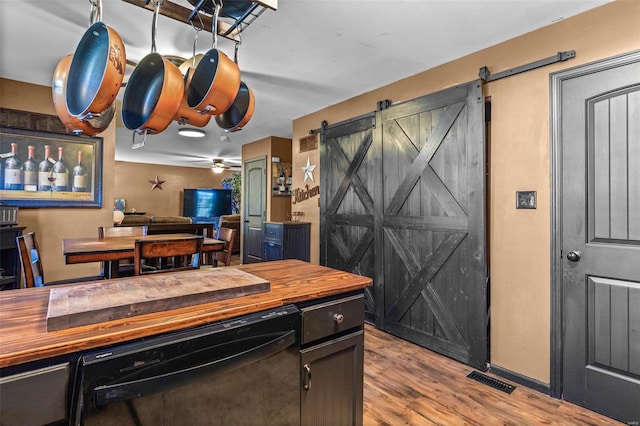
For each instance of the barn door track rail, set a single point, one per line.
(486, 76)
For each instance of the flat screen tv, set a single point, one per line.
(206, 204)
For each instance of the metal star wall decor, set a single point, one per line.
(157, 183)
(308, 171)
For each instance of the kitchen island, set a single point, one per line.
(25, 342)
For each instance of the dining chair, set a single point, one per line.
(31, 264)
(185, 253)
(227, 235)
(122, 231)
(124, 269)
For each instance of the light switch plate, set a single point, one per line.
(526, 199)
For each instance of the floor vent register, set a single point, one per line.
(490, 381)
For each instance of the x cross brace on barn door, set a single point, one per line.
(423, 271)
(349, 168)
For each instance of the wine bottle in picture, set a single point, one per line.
(44, 170)
(30, 171)
(60, 173)
(79, 176)
(13, 170)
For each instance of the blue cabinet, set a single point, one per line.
(286, 240)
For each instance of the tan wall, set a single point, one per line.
(131, 182)
(519, 160)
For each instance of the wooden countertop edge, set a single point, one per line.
(286, 288)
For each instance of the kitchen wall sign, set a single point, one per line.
(301, 194)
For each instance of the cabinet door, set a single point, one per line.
(272, 251)
(295, 241)
(35, 397)
(332, 380)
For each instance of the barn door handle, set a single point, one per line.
(574, 256)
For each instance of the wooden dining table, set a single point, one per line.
(112, 250)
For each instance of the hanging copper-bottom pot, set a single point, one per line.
(153, 95)
(96, 71)
(76, 126)
(188, 115)
(214, 84)
(240, 112)
(190, 63)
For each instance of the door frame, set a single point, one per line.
(557, 315)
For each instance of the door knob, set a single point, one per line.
(574, 255)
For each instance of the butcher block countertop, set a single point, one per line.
(23, 313)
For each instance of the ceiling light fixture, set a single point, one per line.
(190, 132)
(218, 165)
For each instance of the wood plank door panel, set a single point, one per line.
(403, 202)
(599, 138)
(350, 173)
(433, 226)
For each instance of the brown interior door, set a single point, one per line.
(598, 120)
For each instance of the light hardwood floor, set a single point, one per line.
(405, 384)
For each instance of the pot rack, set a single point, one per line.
(242, 13)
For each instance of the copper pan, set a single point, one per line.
(214, 84)
(188, 115)
(153, 95)
(240, 112)
(87, 127)
(192, 62)
(96, 71)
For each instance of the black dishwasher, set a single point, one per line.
(243, 371)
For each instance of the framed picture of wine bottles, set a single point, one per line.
(43, 169)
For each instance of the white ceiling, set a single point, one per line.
(307, 55)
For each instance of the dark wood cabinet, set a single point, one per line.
(9, 259)
(331, 358)
(286, 240)
(333, 371)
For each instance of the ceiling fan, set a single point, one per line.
(220, 165)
